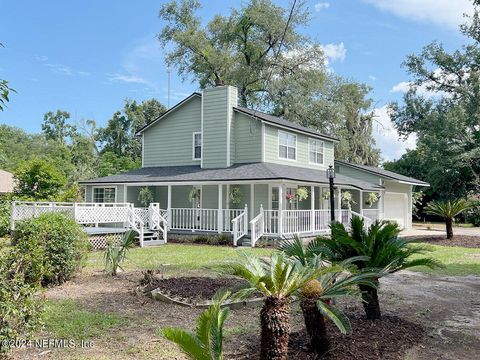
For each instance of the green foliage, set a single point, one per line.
(20, 309)
(38, 179)
(5, 211)
(55, 126)
(473, 214)
(448, 209)
(220, 239)
(380, 246)
(54, 245)
(145, 196)
(275, 67)
(207, 341)
(115, 253)
(5, 90)
(110, 163)
(446, 120)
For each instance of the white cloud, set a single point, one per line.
(387, 138)
(447, 13)
(322, 5)
(372, 77)
(128, 78)
(334, 52)
(59, 68)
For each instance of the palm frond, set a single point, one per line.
(338, 317)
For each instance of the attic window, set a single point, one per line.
(197, 146)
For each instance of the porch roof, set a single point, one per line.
(239, 172)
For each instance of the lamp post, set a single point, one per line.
(330, 177)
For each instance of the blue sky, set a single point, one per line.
(87, 57)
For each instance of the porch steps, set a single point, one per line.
(150, 238)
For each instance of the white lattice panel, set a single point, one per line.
(100, 241)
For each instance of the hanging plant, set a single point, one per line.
(235, 195)
(194, 195)
(347, 199)
(326, 195)
(301, 193)
(290, 197)
(145, 196)
(372, 198)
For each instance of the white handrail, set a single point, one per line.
(240, 226)
(133, 219)
(257, 225)
(367, 222)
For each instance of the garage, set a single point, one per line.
(396, 207)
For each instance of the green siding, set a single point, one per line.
(260, 197)
(180, 196)
(357, 174)
(247, 139)
(169, 141)
(210, 197)
(217, 119)
(271, 150)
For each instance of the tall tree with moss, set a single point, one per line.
(260, 49)
(446, 120)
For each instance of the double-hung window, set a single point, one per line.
(104, 195)
(197, 146)
(287, 145)
(316, 151)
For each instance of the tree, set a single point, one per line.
(259, 49)
(119, 137)
(207, 341)
(316, 295)
(380, 244)
(277, 279)
(443, 109)
(55, 126)
(116, 253)
(5, 90)
(38, 179)
(448, 210)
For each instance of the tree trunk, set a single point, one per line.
(449, 226)
(315, 324)
(370, 302)
(275, 322)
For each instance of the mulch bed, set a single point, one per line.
(458, 240)
(385, 339)
(194, 288)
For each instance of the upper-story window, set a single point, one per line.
(197, 146)
(104, 195)
(287, 146)
(316, 151)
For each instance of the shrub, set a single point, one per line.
(54, 244)
(473, 215)
(116, 253)
(5, 208)
(20, 309)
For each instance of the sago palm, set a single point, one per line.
(383, 251)
(315, 296)
(207, 341)
(448, 210)
(277, 279)
(115, 253)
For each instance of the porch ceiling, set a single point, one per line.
(236, 173)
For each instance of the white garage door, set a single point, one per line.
(396, 208)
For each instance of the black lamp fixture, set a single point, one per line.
(330, 177)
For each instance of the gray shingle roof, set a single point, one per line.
(282, 122)
(251, 171)
(384, 173)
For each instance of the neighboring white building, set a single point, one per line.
(6, 182)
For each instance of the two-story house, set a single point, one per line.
(212, 165)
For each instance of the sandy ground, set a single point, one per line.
(448, 308)
(438, 229)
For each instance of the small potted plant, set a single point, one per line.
(372, 198)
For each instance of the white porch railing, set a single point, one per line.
(257, 226)
(366, 221)
(198, 219)
(240, 226)
(373, 214)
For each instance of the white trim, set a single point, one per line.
(278, 146)
(227, 196)
(125, 193)
(310, 140)
(410, 183)
(201, 127)
(105, 187)
(143, 148)
(229, 116)
(252, 201)
(263, 141)
(193, 146)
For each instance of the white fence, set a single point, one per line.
(198, 219)
(373, 214)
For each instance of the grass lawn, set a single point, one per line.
(177, 256)
(458, 261)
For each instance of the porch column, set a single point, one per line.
(312, 208)
(361, 203)
(227, 197)
(220, 208)
(169, 206)
(252, 199)
(339, 204)
(280, 209)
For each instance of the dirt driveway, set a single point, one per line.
(448, 307)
